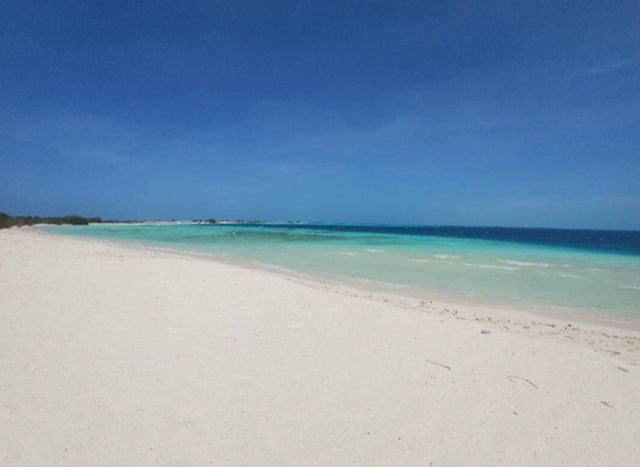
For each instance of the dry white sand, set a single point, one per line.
(113, 356)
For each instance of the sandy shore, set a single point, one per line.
(114, 356)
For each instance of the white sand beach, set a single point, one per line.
(117, 356)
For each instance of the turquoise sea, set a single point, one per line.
(594, 271)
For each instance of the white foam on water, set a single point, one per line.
(524, 263)
(432, 261)
(347, 253)
(570, 276)
(446, 256)
(629, 287)
(566, 276)
(373, 250)
(490, 266)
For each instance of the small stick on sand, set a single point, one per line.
(512, 378)
(439, 364)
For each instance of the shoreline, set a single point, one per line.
(609, 337)
(410, 295)
(112, 355)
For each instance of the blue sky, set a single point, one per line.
(475, 113)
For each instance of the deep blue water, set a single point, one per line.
(625, 242)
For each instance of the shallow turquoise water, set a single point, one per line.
(515, 272)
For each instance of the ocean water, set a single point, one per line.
(594, 271)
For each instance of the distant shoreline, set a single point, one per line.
(7, 221)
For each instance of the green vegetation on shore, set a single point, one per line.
(7, 221)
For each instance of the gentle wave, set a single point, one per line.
(524, 263)
(566, 276)
(490, 266)
(570, 276)
(435, 261)
(446, 256)
(347, 253)
(373, 250)
(629, 287)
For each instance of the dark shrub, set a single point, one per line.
(6, 221)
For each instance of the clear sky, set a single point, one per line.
(516, 113)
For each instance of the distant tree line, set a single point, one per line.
(7, 221)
